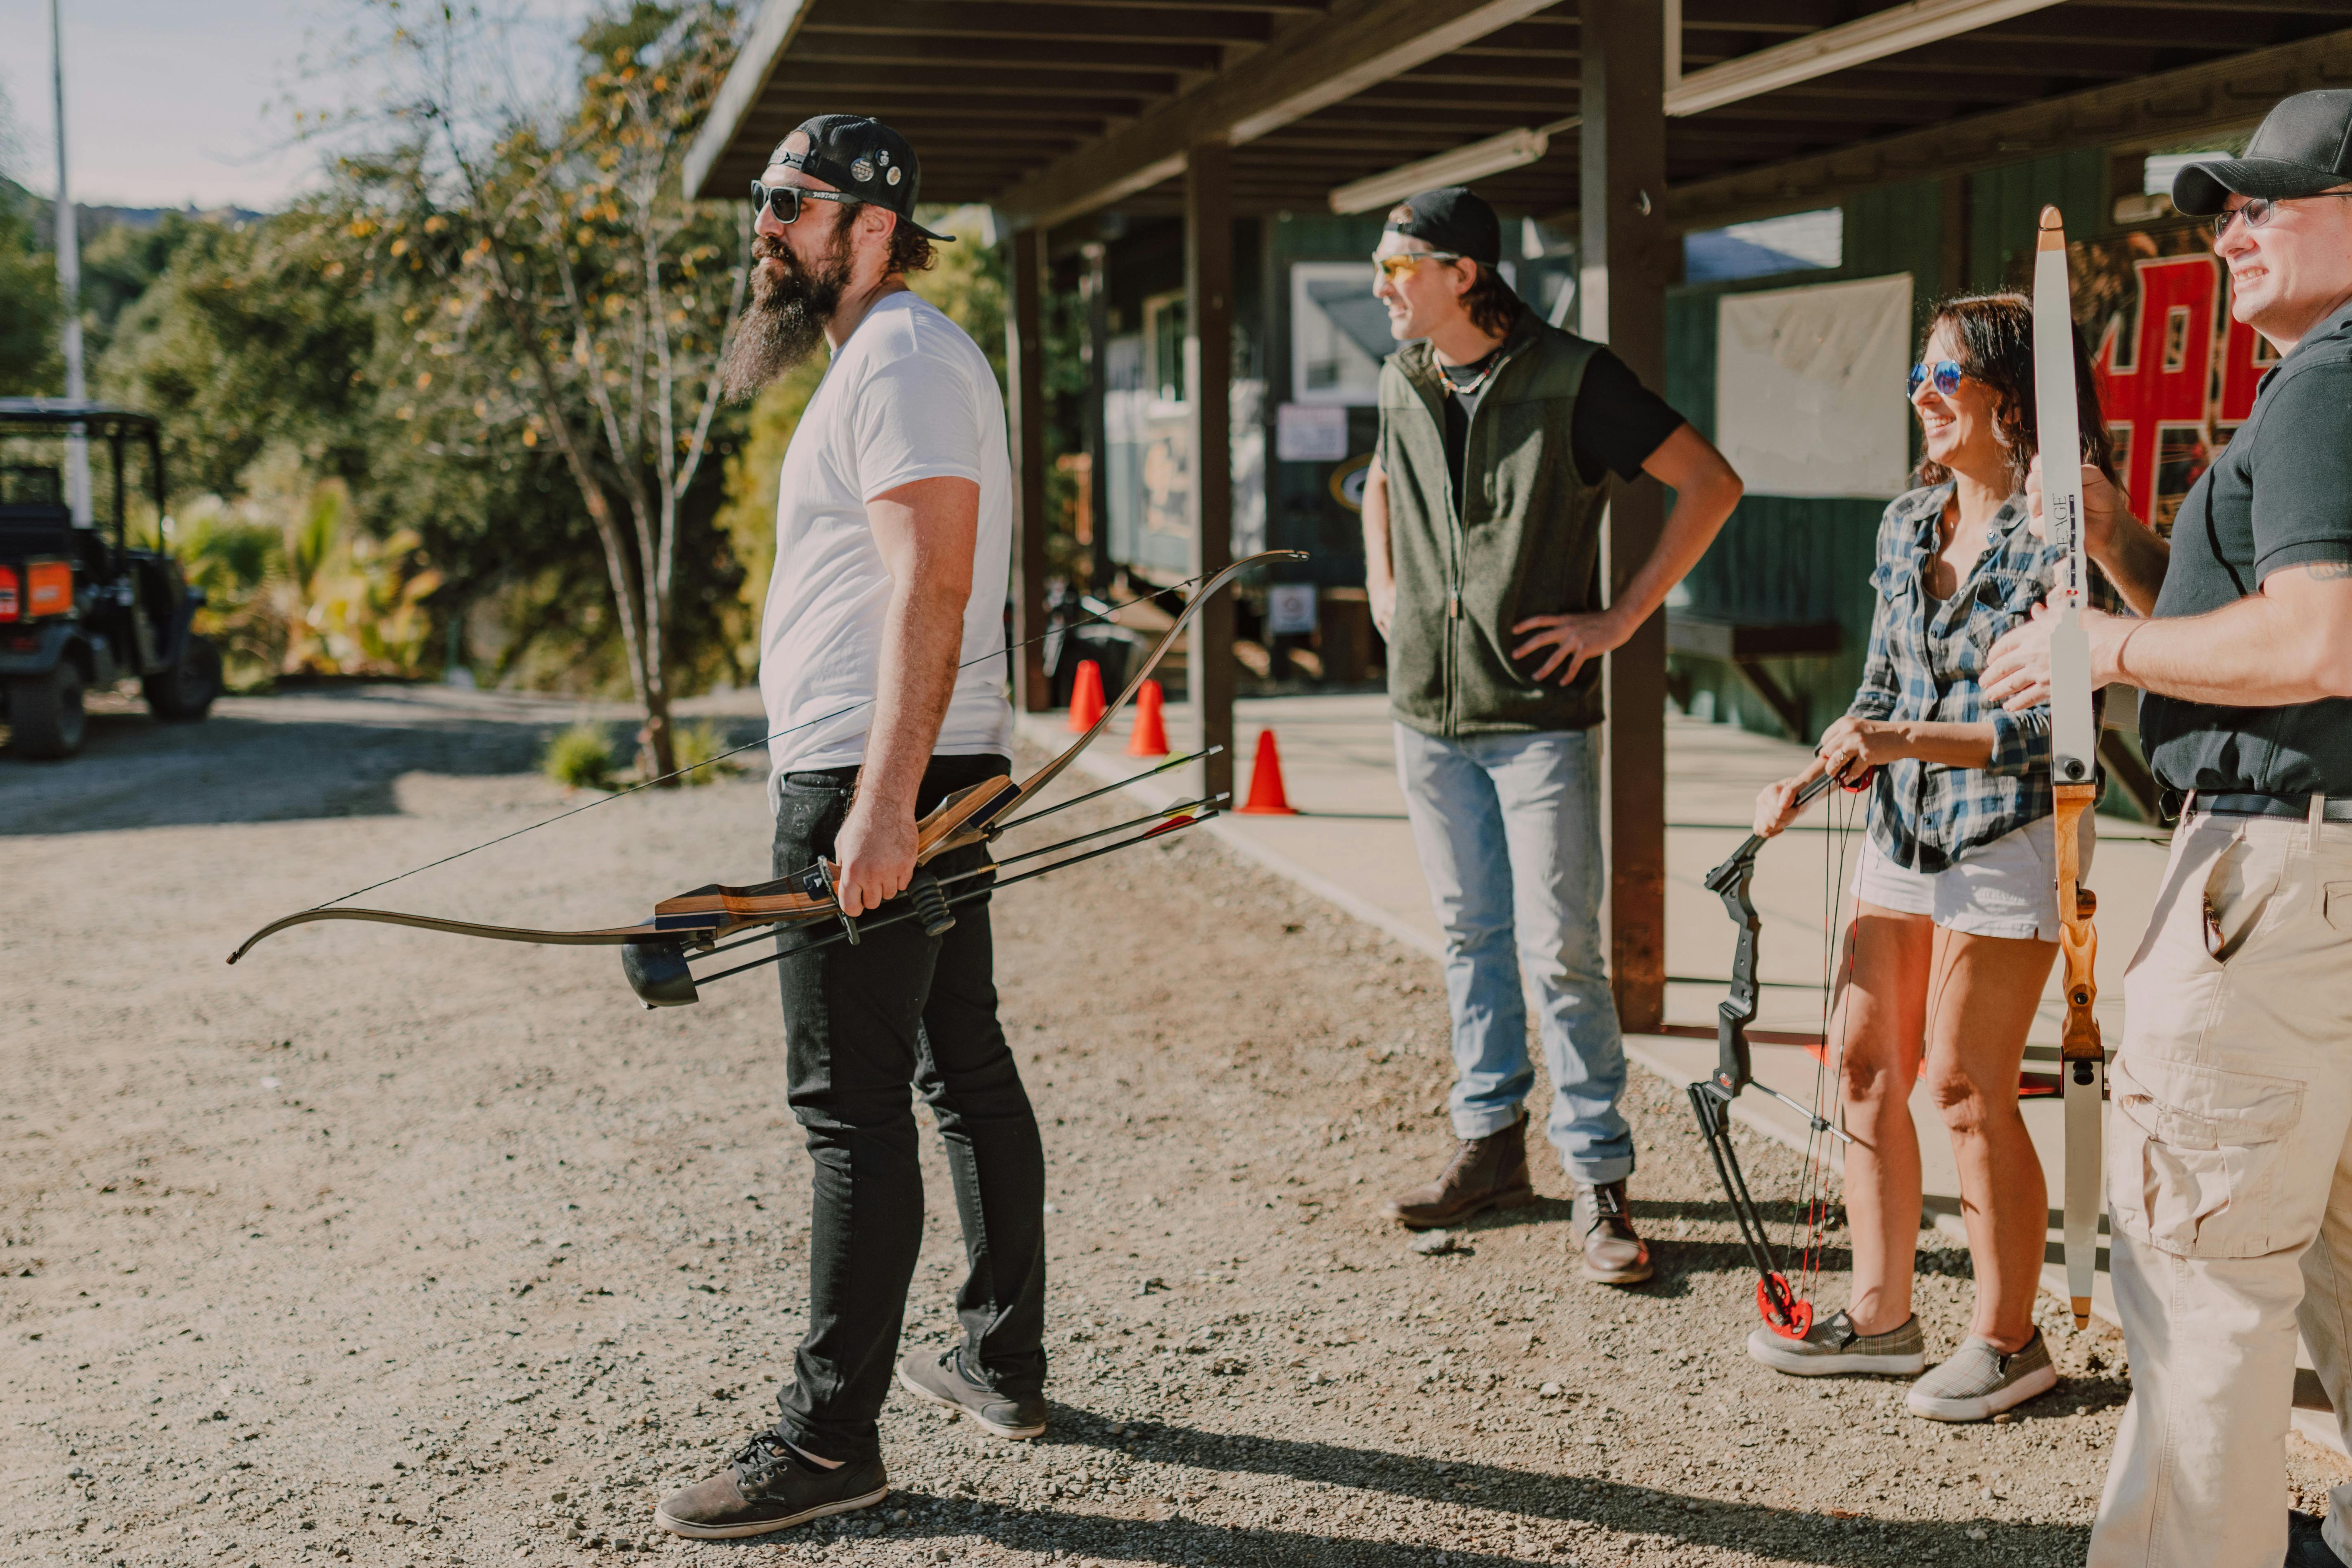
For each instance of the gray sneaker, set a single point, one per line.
(1831, 1346)
(940, 1378)
(1979, 1381)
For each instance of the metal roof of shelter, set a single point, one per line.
(1046, 111)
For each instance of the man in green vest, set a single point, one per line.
(1482, 546)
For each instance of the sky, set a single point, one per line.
(173, 102)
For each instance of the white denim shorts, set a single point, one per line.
(2007, 887)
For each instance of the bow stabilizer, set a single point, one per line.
(2074, 751)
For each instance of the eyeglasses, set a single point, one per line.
(1394, 267)
(1947, 374)
(2259, 210)
(785, 201)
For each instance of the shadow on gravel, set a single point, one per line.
(1533, 1503)
(281, 758)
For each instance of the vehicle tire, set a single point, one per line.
(45, 717)
(183, 693)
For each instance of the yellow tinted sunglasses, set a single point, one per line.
(1394, 267)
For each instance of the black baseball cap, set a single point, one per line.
(860, 157)
(2303, 147)
(1451, 218)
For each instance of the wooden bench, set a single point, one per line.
(1745, 645)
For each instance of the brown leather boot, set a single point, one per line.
(1604, 1229)
(1485, 1172)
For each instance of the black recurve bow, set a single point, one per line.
(1784, 1309)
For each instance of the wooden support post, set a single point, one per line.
(1097, 290)
(1024, 378)
(1208, 384)
(1625, 261)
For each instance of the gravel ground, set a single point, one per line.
(389, 1247)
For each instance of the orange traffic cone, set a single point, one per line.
(1266, 792)
(1150, 737)
(1085, 698)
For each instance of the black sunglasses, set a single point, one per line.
(785, 201)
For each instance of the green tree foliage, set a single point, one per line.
(251, 336)
(29, 367)
(354, 360)
(556, 288)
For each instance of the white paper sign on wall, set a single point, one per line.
(1290, 609)
(1310, 433)
(1809, 395)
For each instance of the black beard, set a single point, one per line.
(784, 322)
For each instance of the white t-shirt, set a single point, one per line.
(909, 397)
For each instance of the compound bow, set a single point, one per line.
(2074, 749)
(1786, 1308)
(693, 923)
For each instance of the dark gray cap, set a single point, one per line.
(2303, 147)
(1451, 218)
(861, 156)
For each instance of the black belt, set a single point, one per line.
(2297, 806)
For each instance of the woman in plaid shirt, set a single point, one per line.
(1956, 921)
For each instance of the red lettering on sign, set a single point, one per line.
(2158, 389)
(2245, 358)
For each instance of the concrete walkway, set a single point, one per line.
(1350, 844)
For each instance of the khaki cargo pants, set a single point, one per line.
(2229, 1189)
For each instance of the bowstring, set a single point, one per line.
(1096, 617)
(1829, 1070)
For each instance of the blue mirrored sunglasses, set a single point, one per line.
(1947, 374)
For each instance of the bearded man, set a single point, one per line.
(881, 661)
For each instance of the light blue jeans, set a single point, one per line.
(1508, 831)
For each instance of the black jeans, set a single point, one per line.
(862, 1024)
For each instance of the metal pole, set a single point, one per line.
(68, 286)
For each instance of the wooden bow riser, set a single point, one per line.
(2078, 939)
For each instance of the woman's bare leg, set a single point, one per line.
(1874, 1036)
(1981, 1004)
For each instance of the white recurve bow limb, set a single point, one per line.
(2074, 750)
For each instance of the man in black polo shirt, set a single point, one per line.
(2229, 1168)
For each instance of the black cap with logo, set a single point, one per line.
(1451, 218)
(2303, 147)
(861, 157)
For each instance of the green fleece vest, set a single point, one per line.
(1524, 541)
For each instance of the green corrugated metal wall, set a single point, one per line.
(1783, 559)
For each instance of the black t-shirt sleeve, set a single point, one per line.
(1619, 422)
(2302, 472)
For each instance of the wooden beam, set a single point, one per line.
(1625, 260)
(1313, 66)
(1208, 384)
(1025, 377)
(1087, 54)
(1869, 37)
(747, 81)
(1051, 83)
(1038, 19)
(2212, 96)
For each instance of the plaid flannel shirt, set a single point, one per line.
(1925, 659)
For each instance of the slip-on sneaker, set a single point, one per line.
(1831, 1346)
(1980, 1382)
